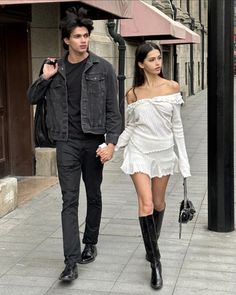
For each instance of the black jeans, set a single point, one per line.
(76, 157)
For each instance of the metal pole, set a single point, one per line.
(220, 116)
(203, 56)
(175, 57)
(192, 62)
(192, 25)
(121, 67)
(202, 47)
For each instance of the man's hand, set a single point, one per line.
(105, 153)
(50, 68)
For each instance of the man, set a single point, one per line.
(80, 90)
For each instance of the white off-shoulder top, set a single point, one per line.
(154, 124)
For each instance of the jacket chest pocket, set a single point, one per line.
(96, 98)
(95, 84)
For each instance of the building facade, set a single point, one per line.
(34, 28)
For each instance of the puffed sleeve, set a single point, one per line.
(126, 134)
(178, 132)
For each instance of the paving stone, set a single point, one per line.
(201, 262)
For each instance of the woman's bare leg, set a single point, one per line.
(159, 186)
(142, 183)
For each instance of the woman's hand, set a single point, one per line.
(105, 153)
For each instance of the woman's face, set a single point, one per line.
(152, 64)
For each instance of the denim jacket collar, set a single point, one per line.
(92, 59)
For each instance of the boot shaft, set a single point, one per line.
(158, 219)
(148, 229)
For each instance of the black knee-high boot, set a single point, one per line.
(158, 218)
(150, 242)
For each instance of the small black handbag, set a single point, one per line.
(186, 210)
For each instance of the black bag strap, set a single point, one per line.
(185, 205)
(185, 192)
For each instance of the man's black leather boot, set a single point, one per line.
(70, 273)
(89, 254)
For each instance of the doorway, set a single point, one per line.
(16, 144)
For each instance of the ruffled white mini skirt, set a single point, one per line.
(154, 164)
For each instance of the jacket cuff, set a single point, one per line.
(111, 139)
(42, 80)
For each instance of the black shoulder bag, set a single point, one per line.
(41, 135)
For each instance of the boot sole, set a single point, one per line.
(156, 287)
(86, 261)
(66, 279)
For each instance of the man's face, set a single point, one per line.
(78, 41)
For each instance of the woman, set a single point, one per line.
(153, 124)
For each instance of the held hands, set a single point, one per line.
(105, 153)
(50, 68)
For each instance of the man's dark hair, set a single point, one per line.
(75, 17)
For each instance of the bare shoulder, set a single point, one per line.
(130, 96)
(174, 86)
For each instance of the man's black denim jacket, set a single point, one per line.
(99, 106)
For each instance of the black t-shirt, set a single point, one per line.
(74, 76)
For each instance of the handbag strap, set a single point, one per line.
(185, 204)
(185, 192)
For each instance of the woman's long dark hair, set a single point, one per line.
(140, 54)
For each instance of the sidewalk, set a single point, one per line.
(202, 262)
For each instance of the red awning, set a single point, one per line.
(110, 9)
(148, 22)
(190, 38)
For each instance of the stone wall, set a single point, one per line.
(8, 195)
